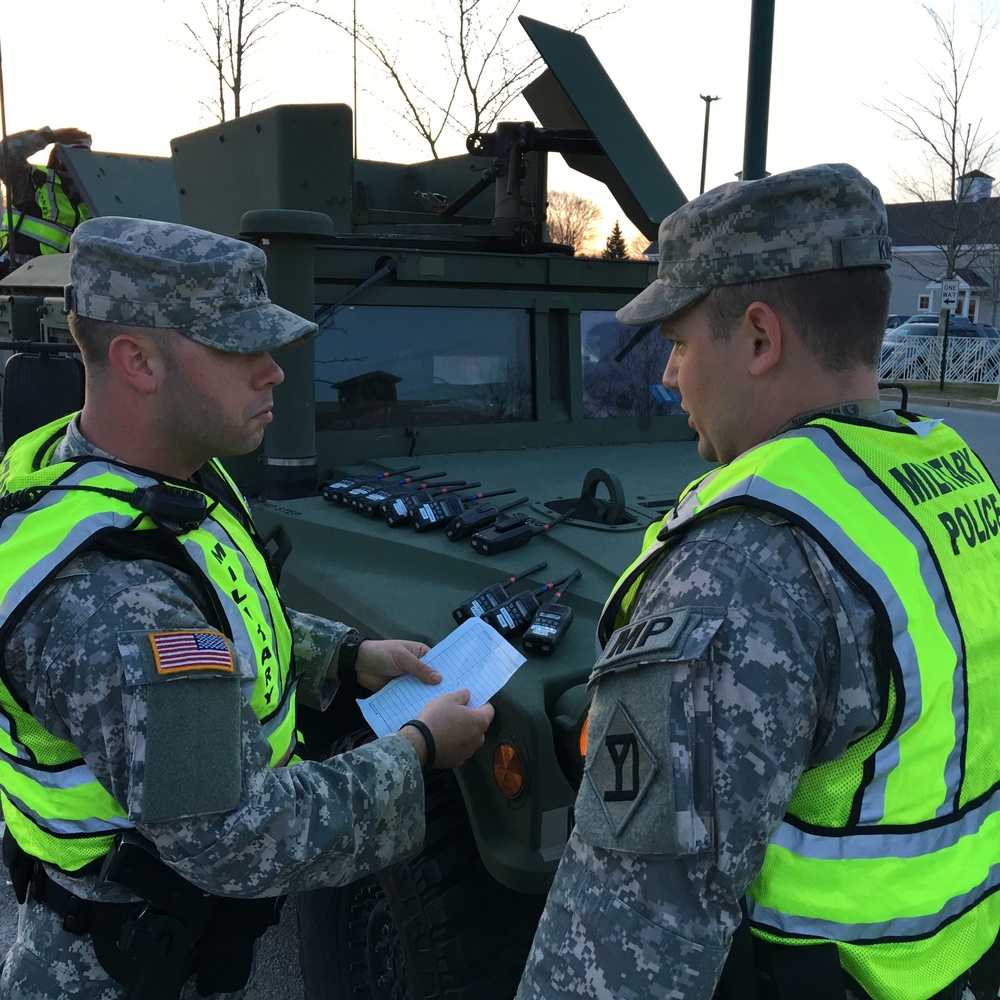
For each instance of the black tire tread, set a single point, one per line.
(464, 936)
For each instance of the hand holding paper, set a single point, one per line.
(473, 656)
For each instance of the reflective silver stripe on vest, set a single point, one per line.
(77, 535)
(873, 801)
(915, 844)
(88, 826)
(5, 726)
(885, 759)
(66, 777)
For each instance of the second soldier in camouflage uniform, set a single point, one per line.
(120, 658)
(752, 656)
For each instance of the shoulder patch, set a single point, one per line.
(621, 768)
(181, 652)
(672, 635)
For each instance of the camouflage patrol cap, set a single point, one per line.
(822, 218)
(161, 274)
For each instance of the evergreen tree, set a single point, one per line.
(615, 248)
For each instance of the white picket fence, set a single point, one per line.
(970, 359)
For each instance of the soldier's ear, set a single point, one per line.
(764, 337)
(136, 360)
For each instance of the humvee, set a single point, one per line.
(456, 344)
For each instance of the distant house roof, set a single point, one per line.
(972, 278)
(376, 375)
(966, 274)
(930, 223)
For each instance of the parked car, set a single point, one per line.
(895, 319)
(930, 329)
(911, 329)
(953, 321)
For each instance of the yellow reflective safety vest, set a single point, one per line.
(50, 229)
(893, 850)
(52, 803)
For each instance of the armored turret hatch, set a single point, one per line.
(140, 187)
(575, 92)
(491, 198)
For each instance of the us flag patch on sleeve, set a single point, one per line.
(177, 652)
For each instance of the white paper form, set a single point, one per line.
(474, 656)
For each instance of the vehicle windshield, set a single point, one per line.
(623, 368)
(387, 366)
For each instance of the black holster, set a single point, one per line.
(153, 947)
(20, 865)
(183, 931)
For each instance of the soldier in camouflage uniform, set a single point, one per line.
(43, 203)
(119, 658)
(755, 645)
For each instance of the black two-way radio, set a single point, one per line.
(551, 622)
(397, 510)
(370, 502)
(334, 492)
(439, 512)
(476, 518)
(512, 533)
(361, 494)
(491, 597)
(517, 613)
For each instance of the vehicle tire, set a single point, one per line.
(437, 926)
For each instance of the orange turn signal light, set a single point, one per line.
(508, 770)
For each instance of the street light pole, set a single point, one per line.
(704, 147)
(758, 89)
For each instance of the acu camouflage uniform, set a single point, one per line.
(767, 669)
(82, 662)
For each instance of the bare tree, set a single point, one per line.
(232, 28)
(466, 81)
(571, 219)
(637, 246)
(953, 149)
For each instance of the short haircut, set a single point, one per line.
(840, 315)
(93, 337)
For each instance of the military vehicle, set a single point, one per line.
(457, 342)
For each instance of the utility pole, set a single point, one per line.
(758, 89)
(704, 146)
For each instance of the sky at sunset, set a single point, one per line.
(127, 77)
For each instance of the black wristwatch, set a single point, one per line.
(347, 657)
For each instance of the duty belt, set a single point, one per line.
(152, 951)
